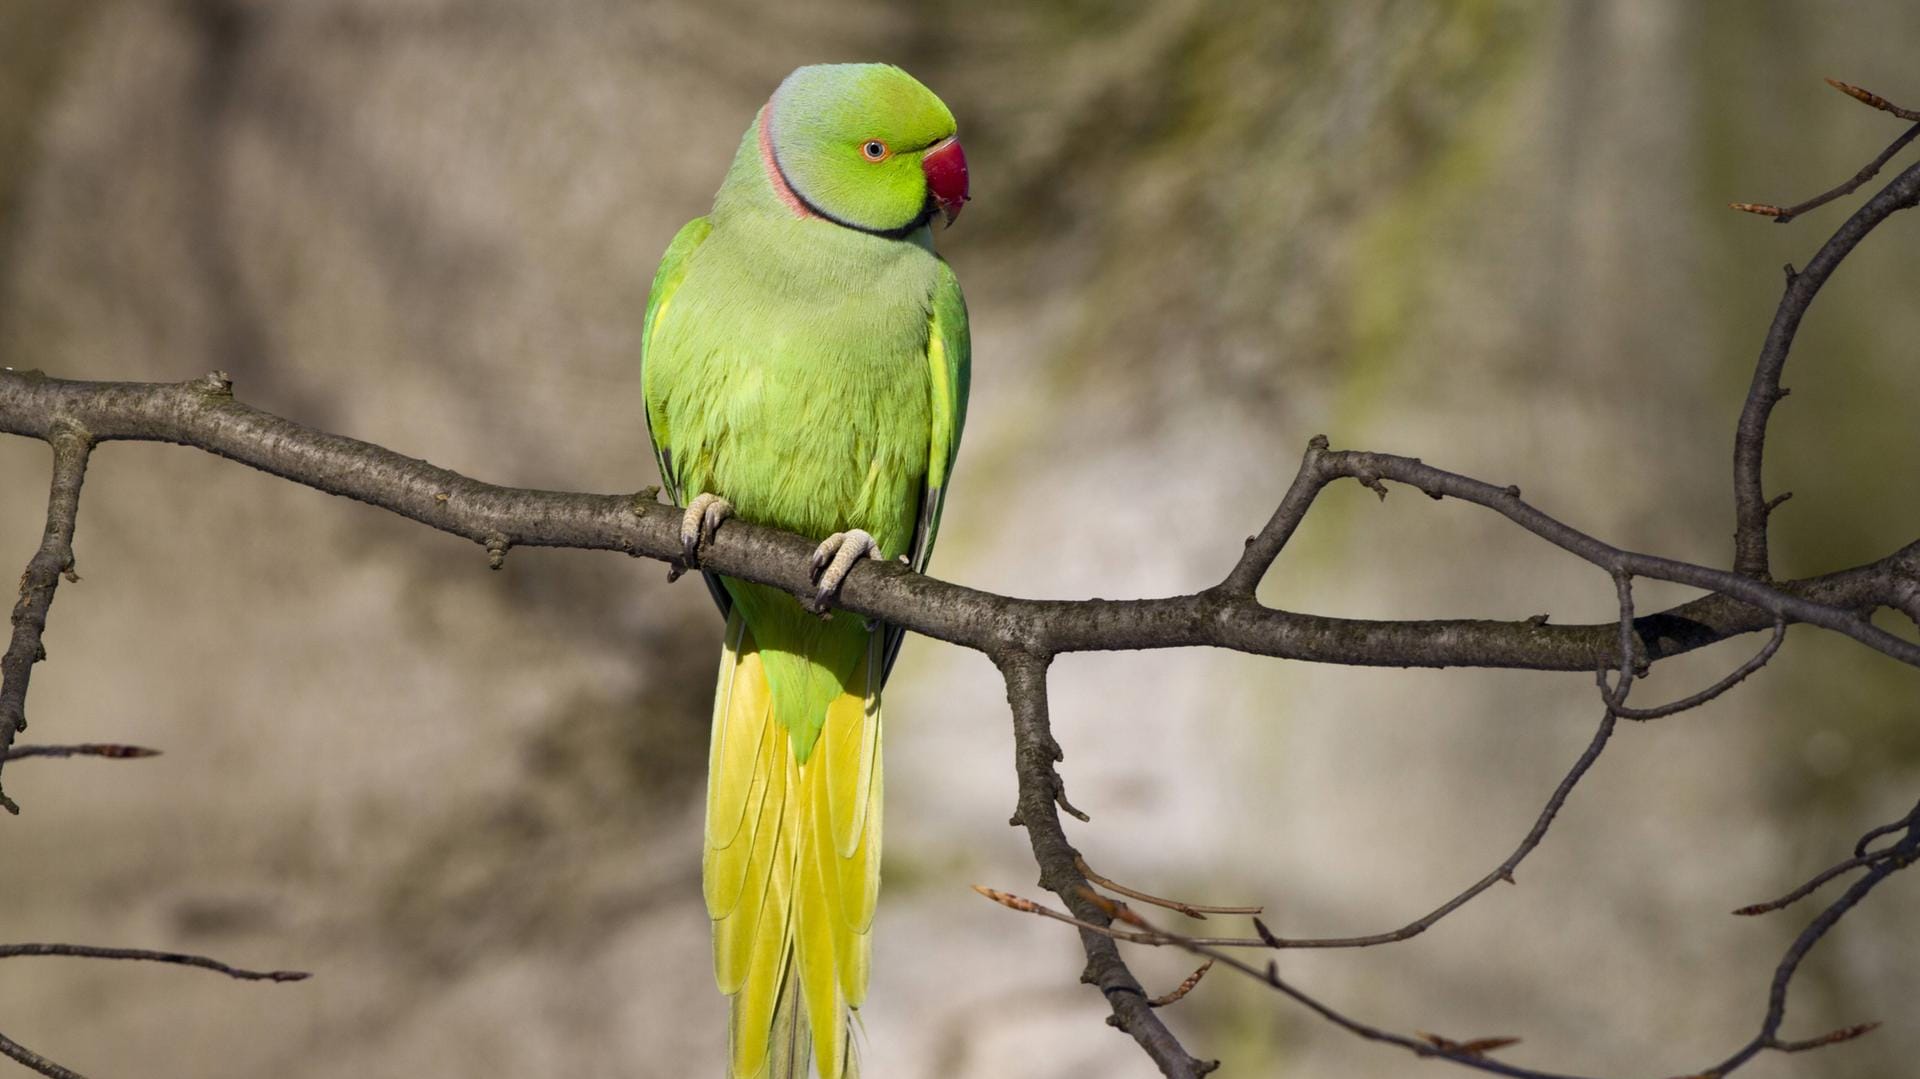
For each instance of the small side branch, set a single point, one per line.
(1472, 1053)
(1265, 547)
(1187, 985)
(1036, 753)
(109, 750)
(1695, 700)
(1861, 857)
(30, 1059)
(1501, 872)
(88, 951)
(1372, 468)
(1751, 506)
(1873, 100)
(1890, 861)
(1783, 214)
(1191, 910)
(54, 560)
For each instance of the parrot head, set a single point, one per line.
(865, 146)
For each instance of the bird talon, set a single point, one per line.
(823, 554)
(702, 519)
(835, 558)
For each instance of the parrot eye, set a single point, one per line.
(875, 150)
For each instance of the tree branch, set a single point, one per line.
(1035, 753)
(71, 448)
(1371, 468)
(1021, 634)
(1751, 506)
(1898, 587)
(204, 414)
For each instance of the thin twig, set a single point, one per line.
(1905, 853)
(110, 750)
(1868, 97)
(52, 561)
(1501, 872)
(1191, 910)
(1469, 1052)
(1028, 906)
(1739, 674)
(1623, 590)
(1507, 502)
(1904, 823)
(1861, 857)
(1811, 886)
(47, 1067)
(1477, 1047)
(1783, 214)
(35, 1061)
(1832, 1037)
(1181, 990)
(88, 951)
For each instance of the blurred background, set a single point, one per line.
(1490, 234)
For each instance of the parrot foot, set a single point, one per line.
(703, 516)
(835, 558)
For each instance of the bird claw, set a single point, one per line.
(835, 558)
(702, 518)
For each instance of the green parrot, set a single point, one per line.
(805, 359)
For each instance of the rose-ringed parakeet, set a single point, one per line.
(805, 362)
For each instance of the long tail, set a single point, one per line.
(792, 866)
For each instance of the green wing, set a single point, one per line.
(950, 358)
(666, 280)
(673, 269)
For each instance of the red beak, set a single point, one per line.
(946, 167)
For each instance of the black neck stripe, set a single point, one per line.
(901, 232)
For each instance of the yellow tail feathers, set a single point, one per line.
(792, 867)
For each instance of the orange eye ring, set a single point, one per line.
(875, 150)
